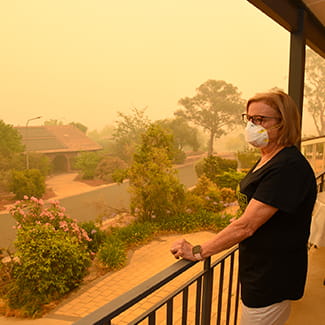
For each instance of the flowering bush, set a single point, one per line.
(49, 264)
(32, 211)
(51, 257)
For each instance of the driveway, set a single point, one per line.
(66, 185)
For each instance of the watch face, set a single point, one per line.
(196, 249)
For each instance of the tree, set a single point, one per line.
(183, 133)
(104, 137)
(127, 133)
(53, 122)
(10, 140)
(216, 108)
(314, 89)
(79, 126)
(155, 188)
(11, 157)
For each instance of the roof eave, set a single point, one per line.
(287, 13)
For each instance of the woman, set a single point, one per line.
(278, 194)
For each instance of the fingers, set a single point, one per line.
(180, 248)
(177, 252)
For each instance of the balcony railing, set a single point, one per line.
(320, 178)
(184, 293)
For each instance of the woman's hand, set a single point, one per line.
(182, 248)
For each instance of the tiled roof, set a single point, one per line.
(56, 138)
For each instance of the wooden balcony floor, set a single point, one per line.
(310, 310)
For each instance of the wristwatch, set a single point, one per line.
(196, 251)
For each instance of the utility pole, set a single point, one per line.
(27, 156)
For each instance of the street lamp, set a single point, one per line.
(27, 156)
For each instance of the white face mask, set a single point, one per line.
(256, 135)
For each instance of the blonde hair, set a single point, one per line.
(290, 125)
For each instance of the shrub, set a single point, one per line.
(40, 162)
(248, 158)
(213, 166)
(96, 235)
(28, 182)
(135, 233)
(207, 195)
(195, 221)
(5, 177)
(228, 195)
(6, 267)
(45, 272)
(87, 162)
(119, 175)
(107, 166)
(113, 253)
(229, 179)
(180, 156)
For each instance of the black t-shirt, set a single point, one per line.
(273, 262)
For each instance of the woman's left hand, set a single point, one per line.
(182, 248)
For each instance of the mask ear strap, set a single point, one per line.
(276, 126)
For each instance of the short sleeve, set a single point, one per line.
(284, 187)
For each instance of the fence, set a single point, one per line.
(184, 293)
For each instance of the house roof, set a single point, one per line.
(56, 139)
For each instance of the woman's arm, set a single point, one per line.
(254, 216)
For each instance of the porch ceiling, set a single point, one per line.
(286, 13)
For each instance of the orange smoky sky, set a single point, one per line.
(85, 60)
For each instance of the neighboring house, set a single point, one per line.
(61, 143)
(314, 150)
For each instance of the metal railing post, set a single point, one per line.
(207, 292)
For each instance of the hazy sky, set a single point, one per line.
(84, 60)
